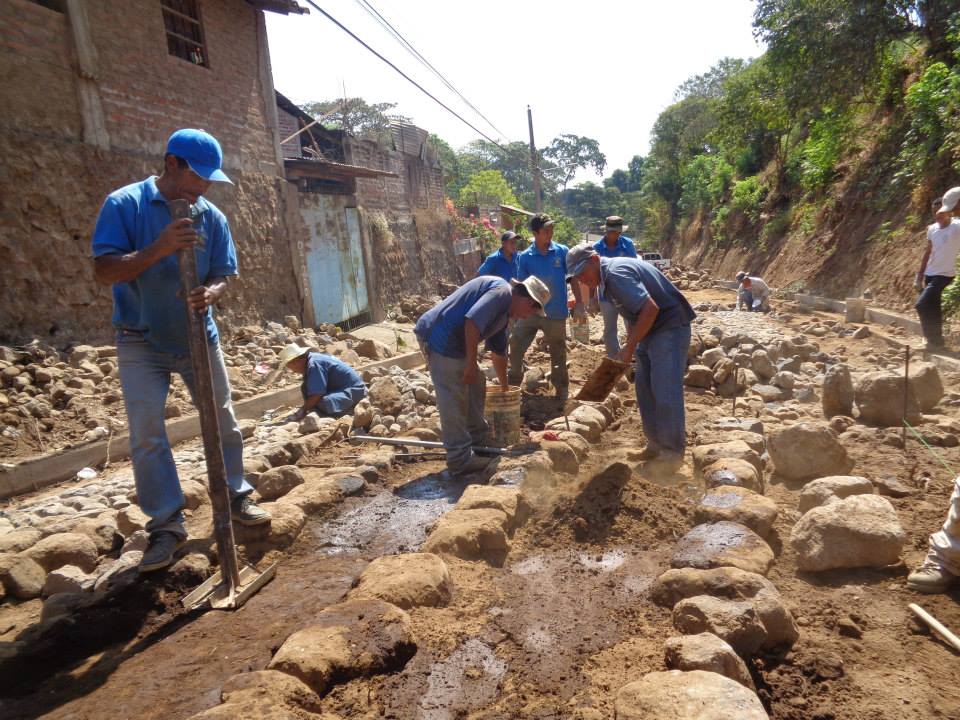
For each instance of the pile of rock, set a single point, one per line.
(399, 402)
(412, 307)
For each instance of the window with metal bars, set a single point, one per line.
(185, 39)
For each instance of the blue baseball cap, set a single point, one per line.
(201, 151)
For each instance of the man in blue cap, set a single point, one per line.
(546, 260)
(503, 263)
(613, 244)
(135, 245)
(658, 319)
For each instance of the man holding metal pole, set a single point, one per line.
(135, 245)
(448, 335)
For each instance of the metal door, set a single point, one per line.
(338, 283)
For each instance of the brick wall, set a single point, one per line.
(52, 185)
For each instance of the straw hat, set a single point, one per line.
(290, 352)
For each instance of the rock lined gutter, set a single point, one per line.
(37, 472)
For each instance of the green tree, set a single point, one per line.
(356, 116)
(571, 153)
(487, 186)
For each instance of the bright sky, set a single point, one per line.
(603, 68)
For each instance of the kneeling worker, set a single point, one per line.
(330, 387)
(658, 319)
(448, 335)
(754, 293)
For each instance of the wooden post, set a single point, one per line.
(207, 409)
(91, 107)
(906, 397)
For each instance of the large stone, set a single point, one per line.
(734, 621)
(68, 579)
(879, 397)
(926, 385)
(385, 396)
(60, 549)
(579, 444)
(190, 570)
(277, 482)
(120, 574)
(762, 365)
(562, 456)
(706, 651)
(723, 543)
(353, 639)
(590, 433)
(807, 450)
(285, 525)
(711, 357)
(272, 686)
(835, 487)
(194, 494)
(694, 695)
(130, 519)
(735, 473)
(102, 530)
(734, 584)
(407, 581)
(595, 417)
(738, 505)
(705, 455)
(363, 414)
(475, 534)
(837, 391)
(858, 531)
(17, 540)
(23, 578)
(66, 604)
(699, 376)
(509, 500)
(314, 495)
(713, 437)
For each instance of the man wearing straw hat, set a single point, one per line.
(658, 319)
(330, 387)
(448, 335)
(613, 244)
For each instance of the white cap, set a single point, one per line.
(950, 199)
(537, 289)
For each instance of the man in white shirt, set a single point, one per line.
(753, 293)
(938, 268)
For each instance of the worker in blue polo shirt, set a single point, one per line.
(503, 263)
(448, 335)
(613, 244)
(658, 319)
(135, 245)
(330, 387)
(546, 260)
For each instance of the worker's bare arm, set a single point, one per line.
(471, 339)
(639, 329)
(500, 365)
(110, 269)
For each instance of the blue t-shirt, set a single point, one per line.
(623, 248)
(551, 267)
(130, 220)
(485, 300)
(497, 265)
(327, 374)
(628, 283)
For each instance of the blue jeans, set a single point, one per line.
(460, 407)
(145, 378)
(341, 402)
(661, 365)
(611, 323)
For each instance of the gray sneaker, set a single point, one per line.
(159, 552)
(246, 512)
(929, 579)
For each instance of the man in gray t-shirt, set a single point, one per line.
(658, 320)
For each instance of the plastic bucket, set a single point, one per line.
(502, 411)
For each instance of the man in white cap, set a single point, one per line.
(658, 319)
(135, 246)
(449, 334)
(330, 387)
(753, 293)
(613, 244)
(938, 268)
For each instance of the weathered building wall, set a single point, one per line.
(52, 184)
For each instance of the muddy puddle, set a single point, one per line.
(391, 521)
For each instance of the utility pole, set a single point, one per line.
(534, 167)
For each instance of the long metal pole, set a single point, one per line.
(906, 397)
(534, 166)
(207, 408)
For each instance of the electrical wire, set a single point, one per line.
(405, 76)
(408, 46)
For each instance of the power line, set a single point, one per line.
(406, 77)
(372, 11)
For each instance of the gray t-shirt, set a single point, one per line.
(629, 282)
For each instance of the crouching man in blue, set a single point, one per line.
(658, 319)
(330, 387)
(134, 248)
(448, 335)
